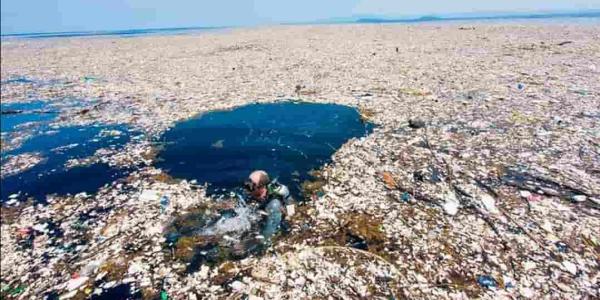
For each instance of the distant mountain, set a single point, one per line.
(383, 20)
(480, 16)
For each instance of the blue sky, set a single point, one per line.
(20, 16)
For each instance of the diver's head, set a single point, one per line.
(257, 183)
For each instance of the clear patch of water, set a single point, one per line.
(27, 129)
(50, 176)
(287, 139)
(15, 115)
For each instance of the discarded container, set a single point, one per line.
(89, 79)
(405, 197)
(570, 267)
(18, 290)
(149, 195)
(562, 247)
(24, 232)
(77, 282)
(534, 197)
(164, 203)
(290, 209)
(486, 281)
(416, 123)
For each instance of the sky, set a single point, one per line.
(26, 16)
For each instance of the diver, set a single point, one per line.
(273, 200)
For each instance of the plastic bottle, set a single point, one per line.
(164, 203)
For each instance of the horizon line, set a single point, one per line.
(358, 18)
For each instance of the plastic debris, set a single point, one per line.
(149, 196)
(290, 210)
(525, 194)
(570, 267)
(164, 203)
(416, 123)
(451, 204)
(389, 180)
(405, 197)
(489, 203)
(17, 290)
(76, 282)
(486, 281)
(562, 247)
(89, 79)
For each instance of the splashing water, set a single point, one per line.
(237, 225)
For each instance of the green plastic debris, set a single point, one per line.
(78, 226)
(405, 197)
(88, 79)
(17, 290)
(164, 295)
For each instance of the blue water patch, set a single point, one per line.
(28, 119)
(24, 106)
(15, 80)
(14, 115)
(57, 147)
(118, 33)
(122, 291)
(29, 123)
(286, 139)
(30, 82)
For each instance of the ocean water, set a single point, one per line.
(15, 115)
(113, 33)
(586, 16)
(33, 120)
(50, 176)
(286, 139)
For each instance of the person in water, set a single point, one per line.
(268, 197)
(271, 197)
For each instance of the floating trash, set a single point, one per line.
(562, 247)
(486, 281)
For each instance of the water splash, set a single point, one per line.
(236, 225)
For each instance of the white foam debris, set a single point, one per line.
(149, 196)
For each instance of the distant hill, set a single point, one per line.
(383, 20)
(473, 16)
